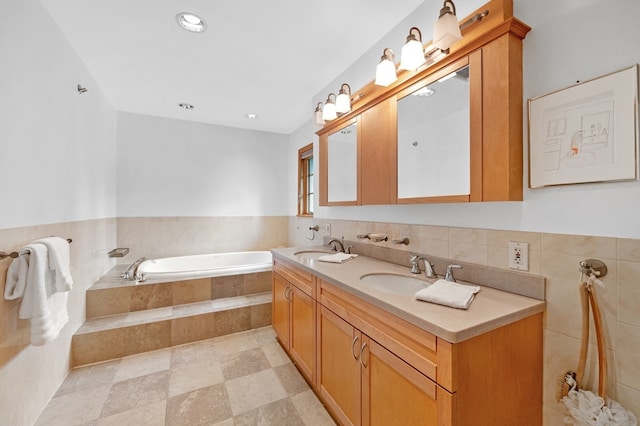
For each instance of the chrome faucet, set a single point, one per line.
(337, 245)
(428, 266)
(449, 275)
(131, 273)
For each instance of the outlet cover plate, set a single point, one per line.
(519, 255)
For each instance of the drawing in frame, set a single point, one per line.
(585, 133)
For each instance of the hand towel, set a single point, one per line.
(59, 261)
(16, 281)
(41, 304)
(448, 293)
(337, 257)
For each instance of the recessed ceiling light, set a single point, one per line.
(185, 106)
(251, 116)
(191, 22)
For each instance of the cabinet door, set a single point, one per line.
(339, 372)
(280, 309)
(303, 336)
(394, 393)
(378, 154)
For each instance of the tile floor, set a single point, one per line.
(239, 379)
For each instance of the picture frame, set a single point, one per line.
(585, 133)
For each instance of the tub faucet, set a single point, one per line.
(428, 266)
(131, 273)
(337, 245)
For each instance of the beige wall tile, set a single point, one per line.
(468, 235)
(257, 283)
(232, 321)
(147, 337)
(100, 346)
(468, 252)
(580, 245)
(261, 315)
(191, 329)
(628, 356)
(629, 398)
(108, 302)
(629, 292)
(229, 286)
(150, 296)
(628, 249)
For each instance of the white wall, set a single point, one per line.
(57, 151)
(570, 40)
(171, 167)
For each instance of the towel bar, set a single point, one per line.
(14, 254)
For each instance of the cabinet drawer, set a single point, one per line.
(409, 342)
(302, 279)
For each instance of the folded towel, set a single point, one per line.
(59, 261)
(31, 279)
(337, 257)
(448, 293)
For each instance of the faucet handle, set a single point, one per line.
(415, 264)
(449, 275)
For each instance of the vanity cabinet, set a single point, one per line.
(371, 367)
(294, 315)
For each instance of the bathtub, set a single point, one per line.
(206, 265)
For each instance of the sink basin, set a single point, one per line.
(311, 254)
(394, 283)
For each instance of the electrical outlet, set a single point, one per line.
(519, 255)
(327, 229)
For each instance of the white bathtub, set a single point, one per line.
(206, 265)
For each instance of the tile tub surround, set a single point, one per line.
(125, 318)
(158, 237)
(30, 375)
(242, 379)
(555, 257)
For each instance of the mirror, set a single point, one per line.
(342, 164)
(434, 153)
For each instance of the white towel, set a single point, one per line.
(45, 307)
(337, 257)
(448, 293)
(16, 280)
(59, 261)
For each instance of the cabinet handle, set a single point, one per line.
(353, 344)
(361, 352)
(287, 292)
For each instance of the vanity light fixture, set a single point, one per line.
(317, 115)
(343, 100)
(329, 110)
(251, 116)
(412, 55)
(447, 29)
(424, 92)
(386, 69)
(447, 77)
(191, 22)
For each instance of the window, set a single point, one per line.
(305, 181)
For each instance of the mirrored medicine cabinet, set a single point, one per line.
(449, 133)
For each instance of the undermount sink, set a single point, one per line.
(394, 283)
(311, 254)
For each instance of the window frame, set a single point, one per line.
(305, 173)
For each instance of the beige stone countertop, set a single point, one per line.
(489, 310)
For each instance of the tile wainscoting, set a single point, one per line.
(30, 375)
(554, 256)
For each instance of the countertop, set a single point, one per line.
(489, 310)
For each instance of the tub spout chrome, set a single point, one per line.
(132, 273)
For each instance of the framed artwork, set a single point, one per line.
(585, 133)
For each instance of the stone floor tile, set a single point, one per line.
(311, 409)
(254, 390)
(201, 407)
(189, 377)
(89, 377)
(234, 343)
(243, 363)
(291, 379)
(204, 350)
(278, 413)
(148, 415)
(136, 392)
(74, 408)
(275, 354)
(142, 364)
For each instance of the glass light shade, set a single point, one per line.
(412, 56)
(385, 73)
(317, 117)
(343, 103)
(329, 111)
(446, 31)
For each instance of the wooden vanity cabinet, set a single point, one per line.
(294, 315)
(370, 367)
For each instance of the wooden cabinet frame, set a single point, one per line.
(493, 48)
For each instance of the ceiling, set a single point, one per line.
(266, 57)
